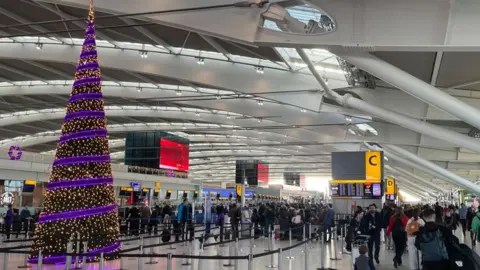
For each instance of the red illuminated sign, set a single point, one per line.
(174, 155)
(263, 173)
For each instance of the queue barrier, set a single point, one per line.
(169, 256)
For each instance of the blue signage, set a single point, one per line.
(224, 193)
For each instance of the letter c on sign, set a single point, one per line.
(370, 160)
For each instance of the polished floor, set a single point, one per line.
(314, 252)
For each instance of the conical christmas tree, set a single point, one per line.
(80, 197)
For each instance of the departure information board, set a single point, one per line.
(367, 190)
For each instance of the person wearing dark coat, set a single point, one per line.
(134, 221)
(371, 225)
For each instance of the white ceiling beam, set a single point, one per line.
(217, 47)
(144, 31)
(25, 21)
(78, 23)
(436, 68)
(62, 74)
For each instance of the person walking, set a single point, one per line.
(26, 217)
(413, 226)
(371, 225)
(8, 221)
(462, 212)
(434, 241)
(396, 228)
(473, 235)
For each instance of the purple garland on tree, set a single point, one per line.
(80, 199)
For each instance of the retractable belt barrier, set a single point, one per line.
(122, 254)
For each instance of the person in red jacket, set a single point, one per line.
(396, 227)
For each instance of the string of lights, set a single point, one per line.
(80, 197)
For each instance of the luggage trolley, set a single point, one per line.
(356, 243)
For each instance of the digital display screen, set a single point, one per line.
(391, 197)
(356, 190)
(263, 173)
(28, 188)
(377, 190)
(174, 155)
(136, 186)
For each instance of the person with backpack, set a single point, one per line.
(413, 226)
(435, 243)
(476, 223)
(396, 227)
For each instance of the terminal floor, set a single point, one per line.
(298, 263)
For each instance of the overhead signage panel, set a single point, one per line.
(357, 167)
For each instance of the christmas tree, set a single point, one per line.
(80, 196)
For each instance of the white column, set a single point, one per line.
(455, 179)
(413, 86)
(425, 128)
(412, 177)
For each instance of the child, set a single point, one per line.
(362, 262)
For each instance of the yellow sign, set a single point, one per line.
(239, 190)
(157, 184)
(157, 190)
(169, 191)
(373, 167)
(30, 182)
(390, 186)
(185, 191)
(145, 190)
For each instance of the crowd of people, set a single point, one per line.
(427, 232)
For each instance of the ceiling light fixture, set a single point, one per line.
(228, 116)
(178, 93)
(260, 102)
(197, 114)
(348, 118)
(201, 61)
(139, 89)
(326, 80)
(259, 120)
(143, 54)
(303, 110)
(259, 69)
(218, 97)
(38, 45)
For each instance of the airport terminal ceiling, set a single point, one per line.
(234, 93)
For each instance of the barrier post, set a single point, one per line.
(311, 233)
(271, 248)
(200, 261)
(139, 226)
(250, 262)
(128, 234)
(289, 257)
(141, 253)
(280, 258)
(169, 261)
(84, 259)
(77, 250)
(151, 261)
(269, 233)
(25, 256)
(344, 235)
(68, 259)
(236, 254)
(304, 235)
(40, 260)
(306, 255)
(102, 262)
(172, 234)
(187, 261)
(252, 238)
(5, 261)
(229, 264)
(322, 264)
(121, 262)
(334, 242)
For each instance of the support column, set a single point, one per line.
(455, 179)
(412, 179)
(413, 86)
